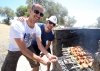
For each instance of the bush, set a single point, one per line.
(6, 21)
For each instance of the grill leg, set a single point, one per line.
(99, 46)
(96, 63)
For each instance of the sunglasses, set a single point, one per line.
(37, 12)
(51, 23)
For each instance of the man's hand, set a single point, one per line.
(42, 54)
(52, 58)
(21, 19)
(42, 60)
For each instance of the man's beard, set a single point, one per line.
(48, 28)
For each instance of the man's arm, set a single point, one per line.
(40, 46)
(48, 45)
(22, 45)
(52, 58)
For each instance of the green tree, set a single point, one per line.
(21, 11)
(98, 25)
(52, 8)
(94, 25)
(70, 21)
(1, 10)
(31, 2)
(8, 13)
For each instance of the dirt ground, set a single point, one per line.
(4, 39)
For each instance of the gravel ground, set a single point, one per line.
(4, 39)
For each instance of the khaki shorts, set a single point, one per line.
(11, 60)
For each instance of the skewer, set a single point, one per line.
(80, 55)
(74, 67)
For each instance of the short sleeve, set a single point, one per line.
(38, 31)
(15, 31)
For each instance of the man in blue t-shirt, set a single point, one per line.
(47, 35)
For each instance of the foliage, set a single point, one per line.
(70, 21)
(21, 11)
(57, 9)
(8, 13)
(95, 25)
(1, 10)
(51, 8)
(98, 25)
(5, 21)
(31, 2)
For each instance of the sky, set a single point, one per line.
(85, 12)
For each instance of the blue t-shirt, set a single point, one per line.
(44, 36)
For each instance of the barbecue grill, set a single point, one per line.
(65, 39)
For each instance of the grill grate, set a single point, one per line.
(68, 63)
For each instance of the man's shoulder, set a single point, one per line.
(52, 32)
(17, 24)
(40, 24)
(36, 25)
